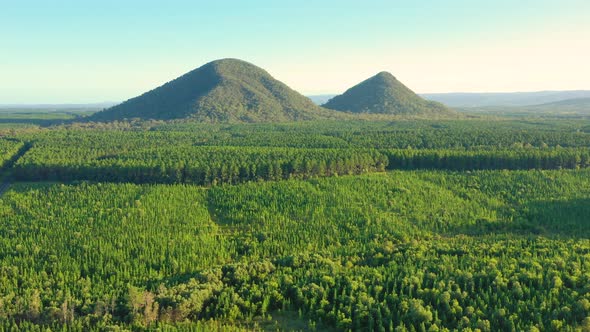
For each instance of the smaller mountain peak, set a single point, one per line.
(384, 94)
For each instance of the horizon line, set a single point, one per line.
(99, 103)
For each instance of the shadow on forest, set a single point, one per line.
(563, 218)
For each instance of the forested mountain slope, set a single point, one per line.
(227, 90)
(384, 94)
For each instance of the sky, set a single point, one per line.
(94, 51)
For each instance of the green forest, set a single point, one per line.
(402, 225)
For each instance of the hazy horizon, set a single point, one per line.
(107, 103)
(71, 52)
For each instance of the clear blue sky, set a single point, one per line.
(90, 51)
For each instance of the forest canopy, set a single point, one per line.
(463, 225)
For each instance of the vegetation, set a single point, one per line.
(384, 94)
(516, 158)
(167, 158)
(455, 225)
(32, 116)
(8, 149)
(410, 250)
(198, 165)
(234, 154)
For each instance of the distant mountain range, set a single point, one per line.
(569, 104)
(476, 99)
(384, 94)
(504, 99)
(568, 107)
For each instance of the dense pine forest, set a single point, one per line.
(409, 225)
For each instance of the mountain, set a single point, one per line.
(577, 103)
(468, 99)
(384, 94)
(227, 90)
(564, 108)
(576, 106)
